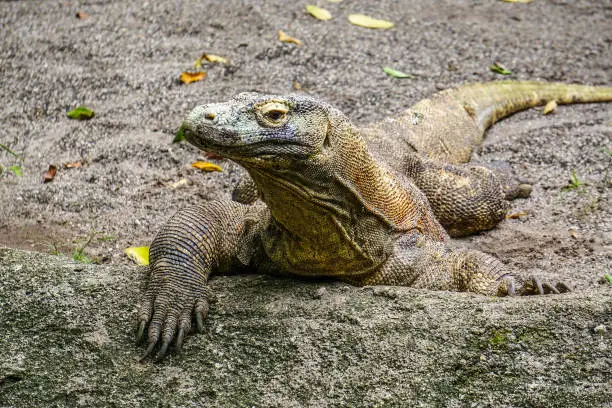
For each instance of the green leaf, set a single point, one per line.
(179, 136)
(500, 69)
(140, 255)
(16, 169)
(81, 113)
(79, 256)
(608, 278)
(397, 74)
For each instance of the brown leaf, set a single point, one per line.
(206, 166)
(282, 37)
(49, 175)
(73, 165)
(212, 156)
(189, 77)
(296, 85)
(82, 15)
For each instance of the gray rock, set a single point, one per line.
(66, 339)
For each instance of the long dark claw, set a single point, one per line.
(199, 321)
(511, 288)
(550, 288)
(162, 350)
(139, 334)
(538, 285)
(563, 287)
(149, 350)
(179, 338)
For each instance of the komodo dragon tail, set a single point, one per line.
(448, 125)
(490, 102)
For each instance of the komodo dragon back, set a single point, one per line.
(449, 125)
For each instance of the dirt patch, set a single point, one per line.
(124, 60)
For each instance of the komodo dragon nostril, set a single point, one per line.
(209, 116)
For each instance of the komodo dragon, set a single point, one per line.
(366, 206)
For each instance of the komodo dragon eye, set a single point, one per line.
(272, 114)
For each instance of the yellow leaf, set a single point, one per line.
(282, 37)
(369, 22)
(189, 77)
(215, 59)
(140, 255)
(318, 12)
(550, 107)
(206, 166)
(517, 216)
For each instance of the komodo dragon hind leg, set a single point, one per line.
(423, 263)
(465, 198)
(431, 141)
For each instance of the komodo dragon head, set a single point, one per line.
(312, 167)
(265, 131)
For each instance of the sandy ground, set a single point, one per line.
(124, 60)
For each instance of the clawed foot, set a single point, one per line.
(168, 313)
(535, 286)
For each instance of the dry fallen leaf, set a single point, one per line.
(296, 85)
(215, 59)
(516, 216)
(318, 12)
(177, 184)
(282, 37)
(73, 165)
(140, 255)
(82, 15)
(369, 22)
(573, 233)
(212, 156)
(189, 77)
(550, 107)
(206, 166)
(49, 175)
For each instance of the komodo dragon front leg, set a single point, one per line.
(197, 241)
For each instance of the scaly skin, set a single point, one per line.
(365, 206)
